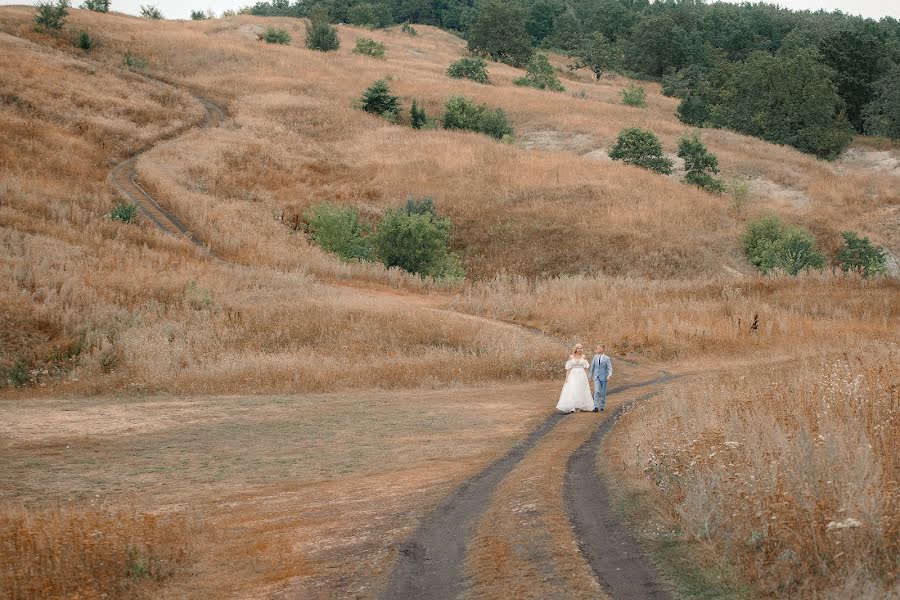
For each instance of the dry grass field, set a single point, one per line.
(271, 424)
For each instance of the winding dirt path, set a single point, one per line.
(431, 561)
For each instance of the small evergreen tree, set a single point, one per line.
(51, 15)
(540, 74)
(378, 100)
(634, 95)
(84, 41)
(469, 67)
(273, 35)
(322, 36)
(198, 15)
(860, 255)
(640, 147)
(150, 12)
(100, 6)
(700, 164)
(369, 47)
(417, 117)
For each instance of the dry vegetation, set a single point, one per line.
(788, 478)
(553, 238)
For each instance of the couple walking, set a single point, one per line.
(576, 393)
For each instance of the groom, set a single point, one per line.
(601, 372)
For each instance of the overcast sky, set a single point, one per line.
(181, 9)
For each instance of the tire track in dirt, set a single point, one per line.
(430, 565)
(431, 561)
(123, 180)
(604, 540)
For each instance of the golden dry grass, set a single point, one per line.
(555, 236)
(788, 474)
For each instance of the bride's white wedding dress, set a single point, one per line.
(576, 393)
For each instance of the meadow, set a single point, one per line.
(171, 355)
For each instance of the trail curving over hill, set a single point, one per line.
(123, 179)
(431, 560)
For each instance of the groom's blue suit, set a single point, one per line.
(601, 371)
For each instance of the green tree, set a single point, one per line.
(469, 67)
(100, 6)
(321, 35)
(854, 57)
(598, 54)
(540, 74)
(640, 147)
(566, 35)
(378, 100)
(699, 164)
(770, 245)
(539, 21)
(417, 117)
(338, 229)
(882, 115)
(199, 15)
(785, 99)
(416, 242)
(861, 256)
(499, 31)
(51, 15)
(150, 12)
(656, 43)
(370, 14)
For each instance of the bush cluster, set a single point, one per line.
(273, 35)
(369, 47)
(150, 12)
(634, 95)
(413, 237)
(539, 74)
(101, 6)
(859, 255)
(133, 61)
(462, 113)
(469, 67)
(771, 245)
(641, 147)
(409, 29)
(378, 100)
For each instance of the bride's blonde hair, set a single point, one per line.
(577, 348)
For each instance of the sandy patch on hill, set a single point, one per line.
(872, 160)
(775, 193)
(550, 139)
(251, 31)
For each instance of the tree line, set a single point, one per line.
(806, 79)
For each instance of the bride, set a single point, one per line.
(576, 393)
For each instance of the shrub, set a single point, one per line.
(462, 113)
(100, 6)
(150, 12)
(378, 100)
(369, 47)
(469, 67)
(770, 245)
(417, 117)
(416, 241)
(641, 147)
(124, 212)
(51, 15)
(338, 229)
(860, 256)
(425, 206)
(199, 15)
(133, 61)
(634, 95)
(409, 29)
(84, 41)
(322, 36)
(540, 75)
(273, 35)
(700, 164)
